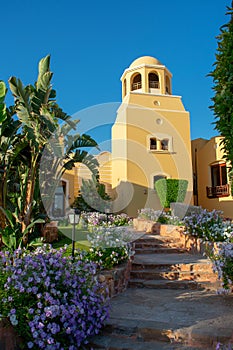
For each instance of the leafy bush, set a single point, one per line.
(149, 214)
(109, 246)
(221, 346)
(107, 220)
(92, 196)
(54, 302)
(208, 225)
(171, 190)
(159, 216)
(107, 258)
(169, 219)
(223, 263)
(211, 227)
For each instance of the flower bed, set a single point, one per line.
(101, 219)
(217, 234)
(110, 246)
(53, 301)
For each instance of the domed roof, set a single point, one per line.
(145, 60)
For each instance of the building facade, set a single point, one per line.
(150, 140)
(150, 137)
(212, 178)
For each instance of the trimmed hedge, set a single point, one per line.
(171, 190)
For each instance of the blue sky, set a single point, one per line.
(92, 42)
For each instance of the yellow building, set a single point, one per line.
(211, 176)
(150, 137)
(150, 140)
(70, 184)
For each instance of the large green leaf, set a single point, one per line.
(44, 77)
(2, 91)
(32, 224)
(9, 216)
(81, 141)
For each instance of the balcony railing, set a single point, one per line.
(154, 84)
(218, 191)
(137, 86)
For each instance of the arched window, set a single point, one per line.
(125, 88)
(168, 86)
(137, 82)
(153, 81)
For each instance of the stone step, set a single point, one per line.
(177, 261)
(174, 284)
(167, 267)
(159, 250)
(157, 238)
(144, 334)
(153, 274)
(120, 342)
(146, 245)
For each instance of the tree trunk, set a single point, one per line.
(2, 216)
(28, 202)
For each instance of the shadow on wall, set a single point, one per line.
(130, 197)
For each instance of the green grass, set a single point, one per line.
(65, 233)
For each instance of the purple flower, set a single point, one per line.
(62, 297)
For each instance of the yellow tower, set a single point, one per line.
(150, 137)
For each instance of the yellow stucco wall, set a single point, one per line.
(143, 115)
(207, 153)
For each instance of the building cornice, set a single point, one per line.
(155, 66)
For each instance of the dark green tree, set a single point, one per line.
(92, 196)
(223, 86)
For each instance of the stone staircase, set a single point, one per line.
(171, 302)
(163, 262)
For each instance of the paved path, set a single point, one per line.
(165, 319)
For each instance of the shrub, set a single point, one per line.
(107, 258)
(159, 216)
(107, 220)
(168, 219)
(92, 196)
(208, 225)
(109, 246)
(221, 346)
(223, 263)
(149, 214)
(171, 190)
(54, 302)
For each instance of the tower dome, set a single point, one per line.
(146, 75)
(147, 60)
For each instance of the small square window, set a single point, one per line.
(164, 144)
(153, 143)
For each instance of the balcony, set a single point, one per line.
(218, 191)
(153, 84)
(137, 86)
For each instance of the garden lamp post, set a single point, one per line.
(107, 211)
(73, 219)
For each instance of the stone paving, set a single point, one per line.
(183, 317)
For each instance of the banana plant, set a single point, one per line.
(11, 234)
(9, 147)
(40, 117)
